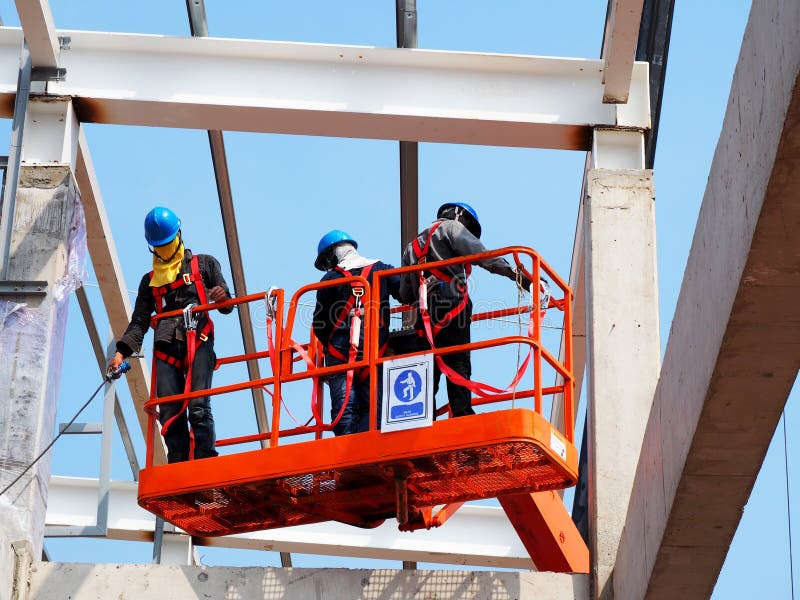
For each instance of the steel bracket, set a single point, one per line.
(48, 74)
(12, 287)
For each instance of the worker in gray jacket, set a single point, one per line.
(456, 232)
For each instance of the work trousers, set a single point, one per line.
(355, 418)
(171, 380)
(455, 333)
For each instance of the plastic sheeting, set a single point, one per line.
(32, 344)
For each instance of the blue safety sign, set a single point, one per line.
(407, 393)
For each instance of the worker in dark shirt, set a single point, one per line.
(178, 279)
(456, 232)
(337, 254)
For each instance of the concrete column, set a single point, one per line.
(47, 243)
(623, 348)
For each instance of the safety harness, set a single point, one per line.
(193, 338)
(422, 258)
(353, 308)
(430, 330)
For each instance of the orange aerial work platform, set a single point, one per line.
(420, 476)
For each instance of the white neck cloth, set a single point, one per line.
(348, 258)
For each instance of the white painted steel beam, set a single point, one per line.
(475, 535)
(616, 149)
(619, 49)
(40, 33)
(343, 91)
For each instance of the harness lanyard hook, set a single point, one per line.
(271, 303)
(189, 318)
(544, 294)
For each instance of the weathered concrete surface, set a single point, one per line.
(623, 350)
(47, 216)
(22, 560)
(6, 566)
(57, 581)
(734, 347)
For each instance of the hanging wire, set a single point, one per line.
(54, 440)
(788, 504)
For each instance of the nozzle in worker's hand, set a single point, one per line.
(114, 366)
(123, 368)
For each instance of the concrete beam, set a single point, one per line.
(50, 581)
(734, 347)
(343, 91)
(111, 280)
(623, 348)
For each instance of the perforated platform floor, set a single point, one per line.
(352, 479)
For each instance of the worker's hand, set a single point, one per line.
(523, 282)
(217, 294)
(115, 362)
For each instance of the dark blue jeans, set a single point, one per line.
(169, 381)
(355, 417)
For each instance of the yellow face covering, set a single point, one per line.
(167, 272)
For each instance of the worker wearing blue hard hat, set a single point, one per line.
(455, 232)
(334, 314)
(179, 279)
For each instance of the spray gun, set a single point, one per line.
(123, 367)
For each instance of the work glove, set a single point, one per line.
(522, 281)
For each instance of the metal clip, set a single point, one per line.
(203, 337)
(271, 303)
(358, 291)
(189, 318)
(187, 279)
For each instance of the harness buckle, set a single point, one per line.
(187, 279)
(422, 260)
(203, 337)
(358, 291)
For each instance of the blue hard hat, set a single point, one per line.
(330, 239)
(161, 225)
(476, 230)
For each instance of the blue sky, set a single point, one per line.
(289, 190)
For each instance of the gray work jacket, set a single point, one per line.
(449, 240)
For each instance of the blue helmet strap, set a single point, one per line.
(173, 255)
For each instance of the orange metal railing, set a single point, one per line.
(282, 351)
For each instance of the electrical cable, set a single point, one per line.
(788, 504)
(60, 433)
